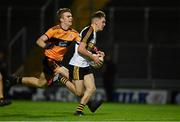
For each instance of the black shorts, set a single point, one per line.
(78, 73)
(49, 65)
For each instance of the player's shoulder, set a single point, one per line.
(86, 29)
(73, 30)
(55, 27)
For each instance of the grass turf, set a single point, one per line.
(63, 111)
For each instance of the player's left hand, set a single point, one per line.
(101, 54)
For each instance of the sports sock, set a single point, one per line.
(58, 80)
(80, 107)
(64, 80)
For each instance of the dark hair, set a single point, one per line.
(61, 11)
(98, 14)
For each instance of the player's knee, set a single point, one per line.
(79, 94)
(91, 90)
(41, 83)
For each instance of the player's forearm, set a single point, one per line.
(40, 43)
(85, 53)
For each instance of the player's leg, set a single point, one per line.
(62, 77)
(27, 81)
(92, 103)
(79, 86)
(77, 74)
(89, 90)
(49, 67)
(89, 84)
(35, 82)
(62, 70)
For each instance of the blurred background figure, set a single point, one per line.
(3, 75)
(109, 73)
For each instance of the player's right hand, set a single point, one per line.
(48, 46)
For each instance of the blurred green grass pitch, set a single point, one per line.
(63, 111)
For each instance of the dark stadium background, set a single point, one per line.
(142, 36)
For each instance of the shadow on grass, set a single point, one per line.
(26, 115)
(49, 116)
(55, 114)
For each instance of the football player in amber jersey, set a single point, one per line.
(55, 43)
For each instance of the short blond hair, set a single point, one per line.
(61, 11)
(98, 14)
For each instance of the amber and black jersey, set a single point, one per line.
(88, 35)
(61, 39)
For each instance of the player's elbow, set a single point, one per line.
(38, 42)
(80, 50)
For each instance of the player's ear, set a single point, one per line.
(96, 21)
(61, 20)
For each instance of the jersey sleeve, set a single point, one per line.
(50, 33)
(77, 38)
(87, 35)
